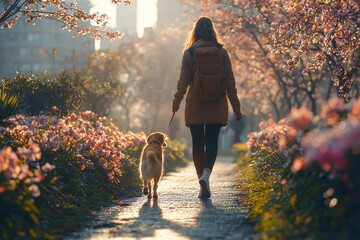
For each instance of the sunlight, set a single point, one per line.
(146, 15)
(166, 234)
(104, 7)
(97, 44)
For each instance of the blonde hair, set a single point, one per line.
(203, 29)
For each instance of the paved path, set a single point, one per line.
(178, 213)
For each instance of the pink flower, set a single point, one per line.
(298, 164)
(331, 109)
(332, 158)
(266, 124)
(9, 163)
(53, 120)
(48, 167)
(282, 121)
(329, 147)
(300, 118)
(76, 134)
(291, 133)
(355, 110)
(24, 171)
(35, 148)
(35, 191)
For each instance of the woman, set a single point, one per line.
(205, 118)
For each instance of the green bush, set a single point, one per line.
(175, 155)
(41, 92)
(9, 105)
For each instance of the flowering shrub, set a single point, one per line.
(86, 136)
(90, 160)
(19, 175)
(302, 174)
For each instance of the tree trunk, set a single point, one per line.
(312, 102)
(329, 90)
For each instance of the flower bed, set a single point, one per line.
(54, 172)
(302, 174)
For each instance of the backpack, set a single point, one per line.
(209, 81)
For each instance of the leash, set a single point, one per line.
(170, 121)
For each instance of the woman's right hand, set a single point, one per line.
(175, 108)
(238, 116)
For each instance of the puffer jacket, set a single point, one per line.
(200, 112)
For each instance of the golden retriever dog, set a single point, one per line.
(151, 162)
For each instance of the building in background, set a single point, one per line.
(40, 47)
(126, 20)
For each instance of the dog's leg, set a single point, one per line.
(156, 180)
(145, 188)
(149, 186)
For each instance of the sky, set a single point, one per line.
(146, 13)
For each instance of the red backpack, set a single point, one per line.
(209, 81)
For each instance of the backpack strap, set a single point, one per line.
(192, 51)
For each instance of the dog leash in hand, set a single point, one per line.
(171, 121)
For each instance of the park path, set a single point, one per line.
(178, 213)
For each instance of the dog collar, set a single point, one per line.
(154, 142)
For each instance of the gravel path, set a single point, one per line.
(178, 213)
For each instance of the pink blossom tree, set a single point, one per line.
(66, 12)
(326, 30)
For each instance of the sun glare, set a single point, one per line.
(146, 15)
(104, 7)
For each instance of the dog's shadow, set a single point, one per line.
(150, 212)
(151, 223)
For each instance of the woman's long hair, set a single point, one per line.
(203, 29)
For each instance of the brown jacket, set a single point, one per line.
(197, 112)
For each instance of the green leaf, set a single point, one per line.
(54, 180)
(32, 233)
(293, 199)
(34, 218)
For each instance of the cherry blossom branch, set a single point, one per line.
(66, 13)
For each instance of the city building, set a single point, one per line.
(40, 47)
(126, 23)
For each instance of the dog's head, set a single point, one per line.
(157, 137)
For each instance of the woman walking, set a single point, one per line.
(206, 107)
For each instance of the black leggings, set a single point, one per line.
(205, 138)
